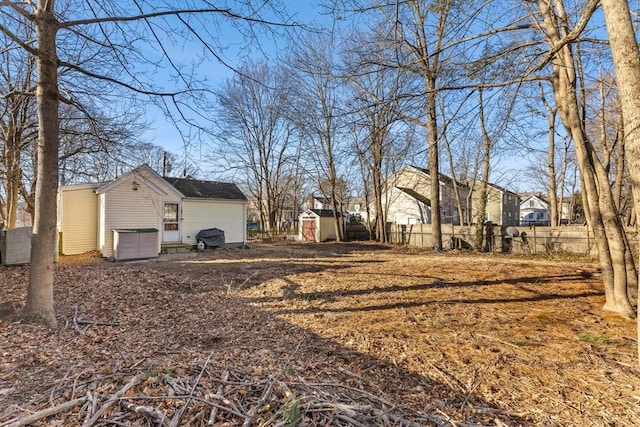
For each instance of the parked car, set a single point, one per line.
(536, 218)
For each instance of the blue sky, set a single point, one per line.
(164, 133)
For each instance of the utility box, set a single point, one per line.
(135, 243)
(15, 246)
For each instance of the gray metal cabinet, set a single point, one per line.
(135, 243)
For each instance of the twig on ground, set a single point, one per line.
(175, 421)
(36, 416)
(134, 381)
(214, 409)
(146, 411)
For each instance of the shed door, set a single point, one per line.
(171, 223)
(309, 229)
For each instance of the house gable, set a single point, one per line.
(143, 176)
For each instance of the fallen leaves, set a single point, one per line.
(331, 334)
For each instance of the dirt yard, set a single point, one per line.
(327, 334)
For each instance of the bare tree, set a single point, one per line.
(626, 59)
(17, 121)
(553, 21)
(377, 106)
(319, 117)
(257, 135)
(120, 35)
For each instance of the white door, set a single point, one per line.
(171, 223)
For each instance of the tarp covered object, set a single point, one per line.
(211, 237)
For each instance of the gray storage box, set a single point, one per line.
(15, 245)
(135, 243)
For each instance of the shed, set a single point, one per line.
(317, 225)
(177, 208)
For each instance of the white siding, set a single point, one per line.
(404, 209)
(79, 220)
(228, 216)
(128, 208)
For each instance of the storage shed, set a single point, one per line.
(317, 225)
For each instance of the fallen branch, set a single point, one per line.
(263, 399)
(497, 340)
(91, 421)
(45, 413)
(147, 411)
(214, 409)
(175, 421)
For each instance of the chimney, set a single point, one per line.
(310, 201)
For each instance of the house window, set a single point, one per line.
(531, 204)
(171, 212)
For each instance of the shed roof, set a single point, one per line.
(324, 213)
(206, 189)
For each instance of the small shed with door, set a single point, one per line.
(97, 216)
(316, 225)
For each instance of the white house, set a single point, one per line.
(405, 197)
(534, 209)
(165, 210)
(357, 208)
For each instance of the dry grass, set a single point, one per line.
(441, 338)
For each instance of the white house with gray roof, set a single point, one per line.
(161, 210)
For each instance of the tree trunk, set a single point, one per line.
(626, 60)
(481, 213)
(377, 142)
(434, 165)
(13, 173)
(597, 197)
(551, 169)
(39, 305)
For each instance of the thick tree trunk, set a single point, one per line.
(39, 305)
(626, 60)
(597, 197)
(434, 165)
(377, 143)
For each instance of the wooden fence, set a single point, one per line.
(573, 239)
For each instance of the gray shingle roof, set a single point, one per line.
(325, 213)
(206, 189)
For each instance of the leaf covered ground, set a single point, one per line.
(320, 334)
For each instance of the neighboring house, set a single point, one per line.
(176, 209)
(534, 210)
(405, 197)
(357, 209)
(503, 206)
(316, 202)
(316, 225)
